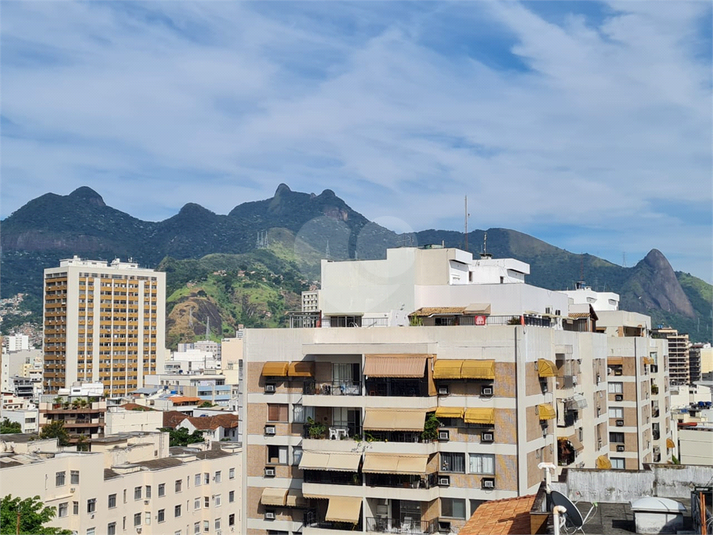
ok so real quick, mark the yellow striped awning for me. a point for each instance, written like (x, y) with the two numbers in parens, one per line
(275, 369)
(478, 369)
(545, 411)
(670, 444)
(411, 366)
(382, 463)
(603, 463)
(392, 420)
(450, 412)
(447, 369)
(343, 509)
(300, 369)
(484, 416)
(272, 496)
(546, 368)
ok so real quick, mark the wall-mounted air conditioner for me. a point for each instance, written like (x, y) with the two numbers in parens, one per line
(444, 434)
(488, 483)
(269, 471)
(620, 447)
(443, 390)
(269, 388)
(487, 437)
(444, 481)
(620, 423)
(269, 429)
(619, 397)
(269, 515)
(486, 390)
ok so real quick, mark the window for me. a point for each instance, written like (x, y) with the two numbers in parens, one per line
(474, 504)
(162, 515)
(198, 480)
(75, 508)
(616, 438)
(137, 493)
(59, 479)
(206, 478)
(276, 413)
(147, 517)
(161, 489)
(91, 531)
(197, 503)
(453, 508)
(218, 477)
(124, 495)
(112, 501)
(206, 526)
(111, 529)
(296, 455)
(481, 464)
(453, 462)
(91, 505)
(231, 496)
(74, 477)
(231, 473)
(616, 388)
(277, 454)
(217, 524)
(298, 414)
(123, 523)
(231, 519)
(197, 527)
(137, 519)
(63, 509)
(206, 501)
(616, 412)
(217, 500)
(148, 491)
(177, 511)
(179, 485)
(617, 463)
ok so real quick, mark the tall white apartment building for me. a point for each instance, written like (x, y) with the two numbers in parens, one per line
(103, 322)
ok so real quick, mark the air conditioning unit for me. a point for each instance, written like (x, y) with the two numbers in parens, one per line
(486, 390)
(620, 447)
(269, 429)
(486, 437)
(444, 527)
(444, 434)
(488, 483)
(269, 515)
(73, 489)
(620, 423)
(146, 502)
(269, 471)
(138, 530)
(444, 481)
(443, 390)
(269, 388)
(619, 397)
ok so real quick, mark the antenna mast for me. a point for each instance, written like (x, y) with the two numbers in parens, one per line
(466, 223)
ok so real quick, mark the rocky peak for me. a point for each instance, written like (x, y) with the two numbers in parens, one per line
(87, 195)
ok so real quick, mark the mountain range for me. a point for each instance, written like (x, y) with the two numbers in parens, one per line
(290, 232)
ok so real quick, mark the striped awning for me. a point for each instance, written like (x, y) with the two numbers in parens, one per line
(271, 496)
(483, 416)
(334, 462)
(616, 361)
(275, 369)
(295, 499)
(450, 412)
(478, 369)
(670, 444)
(447, 369)
(546, 368)
(381, 463)
(300, 369)
(394, 420)
(411, 366)
(545, 411)
(603, 463)
(343, 509)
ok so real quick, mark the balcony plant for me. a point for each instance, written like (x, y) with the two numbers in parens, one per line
(316, 429)
(430, 427)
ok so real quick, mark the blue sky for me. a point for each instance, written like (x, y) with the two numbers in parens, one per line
(585, 124)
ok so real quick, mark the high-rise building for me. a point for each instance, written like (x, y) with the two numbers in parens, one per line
(678, 355)
(103, 323)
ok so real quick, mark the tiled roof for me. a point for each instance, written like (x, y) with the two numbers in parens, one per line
(226, 421)
(184, 399)
(135, 407)
(173, 418)
(510, 516)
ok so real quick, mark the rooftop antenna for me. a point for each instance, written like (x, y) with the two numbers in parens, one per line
(466, 223)
(485, 254)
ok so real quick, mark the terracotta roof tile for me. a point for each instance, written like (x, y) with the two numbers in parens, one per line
(204, 423)
(173, 418)
(510, 516)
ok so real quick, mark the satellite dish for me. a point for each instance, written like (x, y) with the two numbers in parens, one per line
(572, 517)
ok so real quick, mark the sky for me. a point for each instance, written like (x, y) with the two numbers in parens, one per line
(585, 124)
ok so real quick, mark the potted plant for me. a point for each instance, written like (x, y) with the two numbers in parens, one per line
(316, 429)
(430, 427)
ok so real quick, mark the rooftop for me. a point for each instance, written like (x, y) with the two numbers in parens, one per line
(501, 517)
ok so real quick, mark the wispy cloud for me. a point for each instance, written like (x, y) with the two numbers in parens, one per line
(550, 116)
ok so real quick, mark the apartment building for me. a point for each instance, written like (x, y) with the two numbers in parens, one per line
(678, 354)
(82, 416)
(103, 322)
(129, 484)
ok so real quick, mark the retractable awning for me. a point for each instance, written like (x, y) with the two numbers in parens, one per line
(478, 369)
(576, 402)
(335, 462)
(271, 496)
(484, 416)
(545, 411)
(408, 366)
(648, 360)
(295, 499)
(343, 509)
(379, 463)
(546, 368)
(670, 444)
(616, 361)
(447, 369)
(450, 412)
(394, 420)
(603, 463)
(576, 443)
(301, 369)
(477, 308)
(275, 369)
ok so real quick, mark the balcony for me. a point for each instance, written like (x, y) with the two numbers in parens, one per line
(397, 387)
(334, 388)
(394, 525)
(313, 523)
(324, 477)
(402, 481)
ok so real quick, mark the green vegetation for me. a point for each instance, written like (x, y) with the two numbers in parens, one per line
(181, 436)
(56, 430)
(316, 429)
(430, 428)
(27, 516)
(7, 427)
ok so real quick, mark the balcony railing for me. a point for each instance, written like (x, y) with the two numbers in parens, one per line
(397, 387)
(312, 520)
(395, 525)
(334, 388)
(402, 481)
(323, 477)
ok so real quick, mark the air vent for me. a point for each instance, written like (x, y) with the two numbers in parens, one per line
(619, 397)
(269, 429)
(269, 388)
(269, 515)
(444, 434)
(443, 390)
(486, 437)
(486, 390)
(620, 423)
(444, 481)
(620, 447)
(488, 483)
(269, 471)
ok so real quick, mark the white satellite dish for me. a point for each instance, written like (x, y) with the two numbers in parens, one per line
(572, 518)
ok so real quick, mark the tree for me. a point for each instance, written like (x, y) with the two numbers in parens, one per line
(205, 405)
(56, 429)
(29, 514)
(6, 427)
(181, 437)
